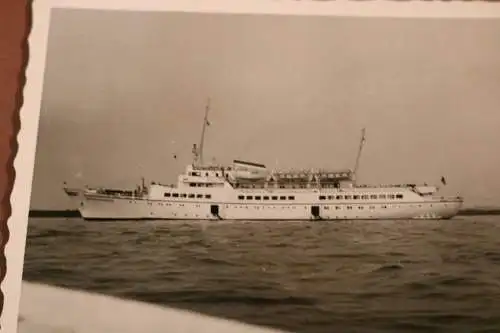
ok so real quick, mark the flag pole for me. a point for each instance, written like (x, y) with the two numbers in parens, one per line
(361, 144)
(202, 139)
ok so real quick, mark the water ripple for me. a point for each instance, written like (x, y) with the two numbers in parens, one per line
(403, 276)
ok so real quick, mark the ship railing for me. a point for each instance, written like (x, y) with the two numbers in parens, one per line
(308, 173)
(116, 193)
(272, 185)
(388, 185)
(161, 184)
(311, 178)
(447, 198)
(288, 181)
(133, 195)
(212, 167)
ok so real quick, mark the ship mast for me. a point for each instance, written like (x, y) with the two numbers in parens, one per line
(361, 144)
(202, 139)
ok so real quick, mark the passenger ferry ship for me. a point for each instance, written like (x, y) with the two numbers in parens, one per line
(250, 191)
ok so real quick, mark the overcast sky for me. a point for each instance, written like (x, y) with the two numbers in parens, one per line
(124, 92)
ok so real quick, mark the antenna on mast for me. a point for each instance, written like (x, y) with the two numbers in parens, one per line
(202, 139)
(361, 144)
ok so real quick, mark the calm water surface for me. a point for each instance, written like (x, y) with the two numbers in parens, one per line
(310, 277)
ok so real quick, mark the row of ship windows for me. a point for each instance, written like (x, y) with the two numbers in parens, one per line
(265, 197)
(362, 197)
(293, 207)
(241, 197)
(324, 197)
(332, 207)
(328, 207)
(198, 174)
(359, 207)
(290, 197)
(202, 185)
(190, 195)
(324, 207)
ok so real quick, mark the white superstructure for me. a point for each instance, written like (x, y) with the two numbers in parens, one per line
(250, 191)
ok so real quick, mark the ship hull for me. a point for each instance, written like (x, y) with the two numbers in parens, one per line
(143, 209)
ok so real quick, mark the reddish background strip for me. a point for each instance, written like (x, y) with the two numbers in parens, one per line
(15, 23)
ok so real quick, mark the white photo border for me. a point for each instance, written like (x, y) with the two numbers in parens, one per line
(30, 111)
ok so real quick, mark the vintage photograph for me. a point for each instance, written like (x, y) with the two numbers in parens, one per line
(307, 174)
